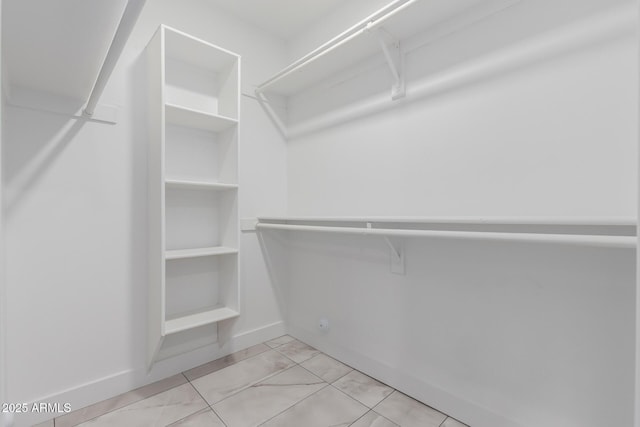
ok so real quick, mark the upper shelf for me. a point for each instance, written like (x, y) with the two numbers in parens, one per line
(188, 117)
(400, 18)
(186, 48)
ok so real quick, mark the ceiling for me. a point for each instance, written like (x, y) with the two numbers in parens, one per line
(283, 18)
(58, 46)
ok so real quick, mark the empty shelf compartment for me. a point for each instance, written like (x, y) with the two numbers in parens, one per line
(201, 318)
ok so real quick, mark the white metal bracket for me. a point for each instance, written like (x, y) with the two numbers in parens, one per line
(397, 256)
(390, 46)
(396, 253)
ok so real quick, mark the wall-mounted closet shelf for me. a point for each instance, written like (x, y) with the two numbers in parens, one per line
(199, 185)
(199, 252)
(188, 117)
(201, 318)
(340, 52)
(611, 233)
(398, 21)
(125, 28)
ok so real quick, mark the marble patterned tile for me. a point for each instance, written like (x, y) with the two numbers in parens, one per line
(363, 388)
(216, 365)
(450, 422)
(155, 411)
(279, 341)
(93, 411)
(407, 412)
(202, 418)
(48, 423)
(268, 398)
(326, 368)
(297, 351)
(223, 383)
(327, 407)
(373, 419)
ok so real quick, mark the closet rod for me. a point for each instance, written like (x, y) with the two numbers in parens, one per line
(125, 27)
(472, 220)
(624, 242)
(367, 24)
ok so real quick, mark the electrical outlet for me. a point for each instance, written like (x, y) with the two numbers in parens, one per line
(323, 324)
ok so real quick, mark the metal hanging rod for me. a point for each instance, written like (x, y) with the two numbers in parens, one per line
(472, 220)
(623, 242)
(366, 25)
(125, 27)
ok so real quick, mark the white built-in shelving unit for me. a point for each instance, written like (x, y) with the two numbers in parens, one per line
(193, 185)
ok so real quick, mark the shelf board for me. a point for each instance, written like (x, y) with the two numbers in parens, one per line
(200, 318)
(612, 232)
(190, 118)
(356, 44)
(626, 221)
(192, 50)
(199, 185)
(199, 252)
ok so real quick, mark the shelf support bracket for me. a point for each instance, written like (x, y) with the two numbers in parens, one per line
(396, 253)
(397, 256)
(390, 46)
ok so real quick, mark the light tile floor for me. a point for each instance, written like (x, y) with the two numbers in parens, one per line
(283, 383)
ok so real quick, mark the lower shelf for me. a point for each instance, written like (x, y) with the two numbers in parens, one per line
(201, 318)
(199, 252)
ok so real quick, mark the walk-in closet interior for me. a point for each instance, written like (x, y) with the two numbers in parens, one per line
(314, 213)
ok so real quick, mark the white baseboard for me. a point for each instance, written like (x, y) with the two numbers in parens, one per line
(405, 382)
(104, 388)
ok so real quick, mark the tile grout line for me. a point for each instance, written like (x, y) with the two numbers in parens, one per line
(252, 384)
(305, 398)
(374, 406)
(184, 418)
(266, 349)
(301, 400)
(298, 402)
(295, 364)
(308, 370)
(362, 403)
(356, 400)
(371, 410)
(187, 382)
(361, 416)
(385, 398)
(276, 373)
(313, 394)
(234, 363)
(205, 401)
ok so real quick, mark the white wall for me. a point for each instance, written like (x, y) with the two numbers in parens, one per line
(495, 334)
(541, 125)
(75, 206)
